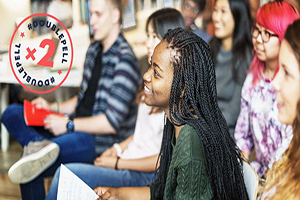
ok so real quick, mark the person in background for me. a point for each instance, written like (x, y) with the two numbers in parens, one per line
(283, 179)
(131, 162)
(103, 113)
(198, 158)
(231, 51)
(190, 11)
(258, 126)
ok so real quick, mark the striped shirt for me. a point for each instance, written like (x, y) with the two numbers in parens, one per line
(117, 87)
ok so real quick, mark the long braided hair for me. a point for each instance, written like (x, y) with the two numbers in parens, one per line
(193, 101)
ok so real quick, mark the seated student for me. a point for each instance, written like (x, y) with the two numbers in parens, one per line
(283, 180)
(198, 158)
(103, 113)
(232, 54)
(132, 162)
(190, 11)
(258, 126)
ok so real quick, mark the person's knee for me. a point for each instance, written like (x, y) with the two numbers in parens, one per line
(11, 111)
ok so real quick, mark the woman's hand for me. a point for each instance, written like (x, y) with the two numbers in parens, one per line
(109, 152)
(245, 155)
(106, 193)
(123, 193)
(106, 161)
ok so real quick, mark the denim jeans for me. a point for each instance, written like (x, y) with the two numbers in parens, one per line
(95, 176)
(74, 147)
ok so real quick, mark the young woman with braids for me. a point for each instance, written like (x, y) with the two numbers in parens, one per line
(198, 158)
(258, 126)
(132, 162)
(283, 181)
(231, 51)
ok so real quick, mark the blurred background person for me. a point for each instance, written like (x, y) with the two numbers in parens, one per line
(190, 11)
(232, 54)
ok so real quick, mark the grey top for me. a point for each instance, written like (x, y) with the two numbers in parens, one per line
(228, 90)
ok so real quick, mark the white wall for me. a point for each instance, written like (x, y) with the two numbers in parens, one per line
(10, 12)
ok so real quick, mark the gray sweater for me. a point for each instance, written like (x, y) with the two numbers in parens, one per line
(228, 90)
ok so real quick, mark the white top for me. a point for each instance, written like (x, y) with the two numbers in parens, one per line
(147, 135)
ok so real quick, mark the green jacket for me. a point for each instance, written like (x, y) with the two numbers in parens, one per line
(187, 178)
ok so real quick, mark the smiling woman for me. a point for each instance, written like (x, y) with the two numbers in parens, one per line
(283, 180)
(231, 51)
(258, 127)
(286, 83)
(198, 158)
(158, 79)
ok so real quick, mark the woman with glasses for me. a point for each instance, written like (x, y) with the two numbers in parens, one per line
(190, 10)
(258, 126)
(231, 51)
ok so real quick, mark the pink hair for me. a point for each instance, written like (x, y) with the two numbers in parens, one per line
(275, 16)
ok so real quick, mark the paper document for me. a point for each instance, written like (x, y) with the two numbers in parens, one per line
(70, 187)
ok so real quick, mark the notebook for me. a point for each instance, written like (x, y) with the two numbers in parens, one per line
(35, 116)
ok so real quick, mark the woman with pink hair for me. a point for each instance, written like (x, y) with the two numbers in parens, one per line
(258, 126)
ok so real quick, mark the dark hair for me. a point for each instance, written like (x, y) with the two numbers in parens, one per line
(200, 3)
(165, 19)
(242, 42)
(193, 101)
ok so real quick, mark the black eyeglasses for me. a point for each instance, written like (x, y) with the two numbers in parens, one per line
(265, 35)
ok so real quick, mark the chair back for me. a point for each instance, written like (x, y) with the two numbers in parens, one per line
(251, 180)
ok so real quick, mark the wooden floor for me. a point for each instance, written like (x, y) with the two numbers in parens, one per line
(9, 190)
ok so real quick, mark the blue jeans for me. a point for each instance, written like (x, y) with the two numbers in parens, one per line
(74, 147)
(95, 176)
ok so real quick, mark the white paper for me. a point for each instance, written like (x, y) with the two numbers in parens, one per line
(70, 187)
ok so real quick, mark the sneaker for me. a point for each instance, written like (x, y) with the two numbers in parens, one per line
(36, 158)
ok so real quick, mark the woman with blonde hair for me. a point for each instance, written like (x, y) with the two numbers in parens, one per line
(283, 181)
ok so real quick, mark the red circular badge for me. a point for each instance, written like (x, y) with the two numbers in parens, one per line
(32, 59)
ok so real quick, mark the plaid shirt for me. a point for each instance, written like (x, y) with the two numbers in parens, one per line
(117, 87)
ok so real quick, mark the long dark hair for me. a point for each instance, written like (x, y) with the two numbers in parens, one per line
(193, 101)
(165, 19)
(242, 43)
